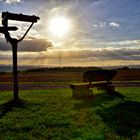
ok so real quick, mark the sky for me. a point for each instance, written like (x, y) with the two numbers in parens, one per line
(94, 33)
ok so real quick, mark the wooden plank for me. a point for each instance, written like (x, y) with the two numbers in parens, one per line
(89, 85)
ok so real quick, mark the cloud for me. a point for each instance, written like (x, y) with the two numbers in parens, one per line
(28, 45)
(101, 24)
(105, 24)
(84, 55)
(35, 45)
(114, 24)
(99, 57)
(11, 1)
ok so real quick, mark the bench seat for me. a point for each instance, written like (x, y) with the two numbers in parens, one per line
(89, 85)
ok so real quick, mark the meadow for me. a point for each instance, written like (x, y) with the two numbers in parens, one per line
(53, 114)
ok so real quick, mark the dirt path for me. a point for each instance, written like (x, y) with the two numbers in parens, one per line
(126, 84)
(6, 87)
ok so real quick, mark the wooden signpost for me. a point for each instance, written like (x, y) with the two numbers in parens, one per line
(14, 42)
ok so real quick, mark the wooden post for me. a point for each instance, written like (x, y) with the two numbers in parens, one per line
(14, 42)
(15, 71)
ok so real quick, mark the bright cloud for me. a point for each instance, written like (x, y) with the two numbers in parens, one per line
(11, 1)
(114, 24)
(101, 25)
(105, 24)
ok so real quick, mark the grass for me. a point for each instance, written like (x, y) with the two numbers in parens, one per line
(54, 115)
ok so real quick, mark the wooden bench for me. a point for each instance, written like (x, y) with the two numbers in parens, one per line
(101, 79)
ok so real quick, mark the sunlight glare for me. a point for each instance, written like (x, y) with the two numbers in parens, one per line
(59, 26)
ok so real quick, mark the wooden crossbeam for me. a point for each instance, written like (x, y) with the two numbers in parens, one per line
(4, 29)
(19, 17)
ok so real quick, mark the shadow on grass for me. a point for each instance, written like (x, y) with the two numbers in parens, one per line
(8, 106)
(123, 118)
(97, 100)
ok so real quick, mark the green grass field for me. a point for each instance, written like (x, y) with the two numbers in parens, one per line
(55, 115)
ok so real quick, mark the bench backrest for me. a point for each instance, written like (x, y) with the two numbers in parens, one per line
(99, 75)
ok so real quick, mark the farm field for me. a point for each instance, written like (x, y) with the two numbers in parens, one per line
(62, 78)
(63, 75)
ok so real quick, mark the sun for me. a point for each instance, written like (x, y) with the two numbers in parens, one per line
(59, 26)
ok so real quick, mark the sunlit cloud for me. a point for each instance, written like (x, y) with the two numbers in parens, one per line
(100, 25)
(106, 24)
(10, 1)
(98, 57)
(114, 24)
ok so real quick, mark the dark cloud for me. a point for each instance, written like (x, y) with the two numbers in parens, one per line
(35, 45)
(4, 46)
(31, 45)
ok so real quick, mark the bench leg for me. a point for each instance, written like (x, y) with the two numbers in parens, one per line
(82, 93)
